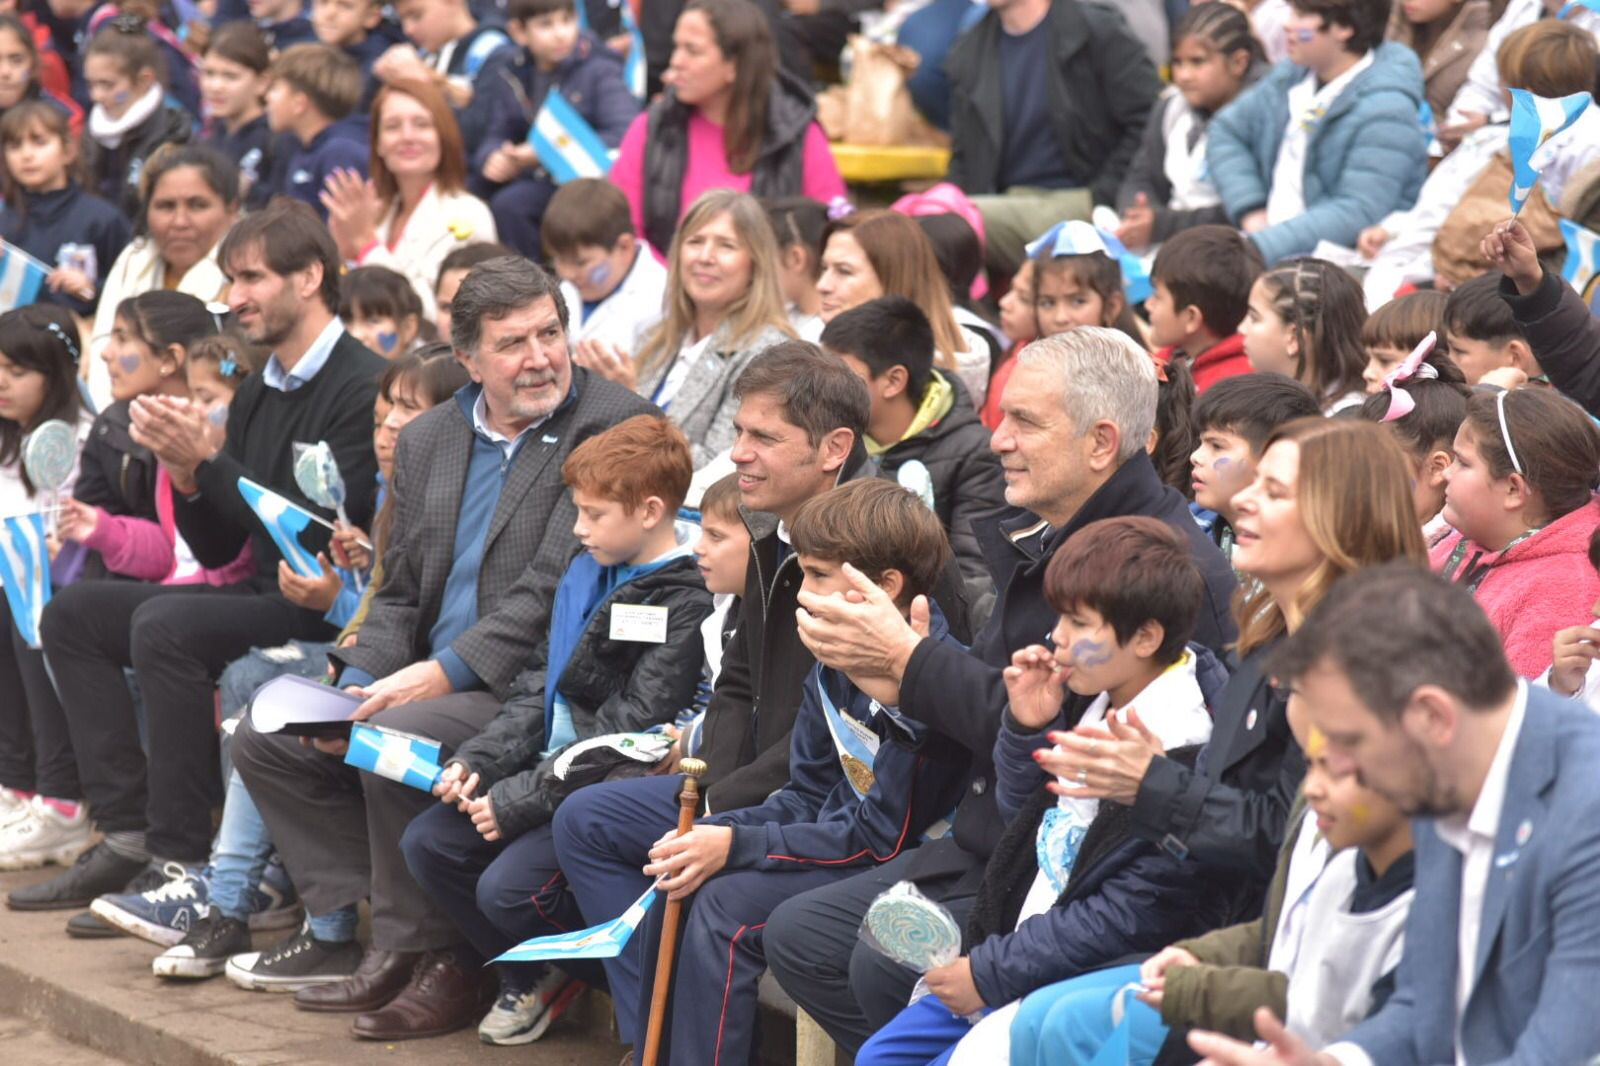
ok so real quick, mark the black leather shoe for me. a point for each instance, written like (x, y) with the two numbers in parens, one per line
(380, 977)
(90, 926)
(97, 872)
(444, 995)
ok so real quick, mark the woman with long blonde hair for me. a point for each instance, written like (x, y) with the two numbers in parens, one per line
(1330, 496)
(883, 253)
(724, 306)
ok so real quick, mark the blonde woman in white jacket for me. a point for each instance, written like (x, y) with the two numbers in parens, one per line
(191, 201)
(414, 210)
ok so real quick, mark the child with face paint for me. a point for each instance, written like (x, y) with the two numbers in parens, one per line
(381, 309)
(126, 76)
(31, 69)
(1426, 429)
(613, 285)
(123, 506)
(48, 214)
(1233, 420)
(1127, 594)
(1345, 876)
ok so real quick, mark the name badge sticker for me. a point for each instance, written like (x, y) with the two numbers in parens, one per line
(641, 623)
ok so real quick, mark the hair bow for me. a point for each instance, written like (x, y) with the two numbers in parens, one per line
(1411, 368)
(840, 207)
(1082, 238)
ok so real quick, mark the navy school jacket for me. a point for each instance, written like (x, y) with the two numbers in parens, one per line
(474, 57)
(817, 819)
(69, 227)
(342, 145)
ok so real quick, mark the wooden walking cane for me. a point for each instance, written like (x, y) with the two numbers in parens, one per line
(688, 805)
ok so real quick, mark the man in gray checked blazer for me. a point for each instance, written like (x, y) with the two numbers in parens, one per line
(482, 534)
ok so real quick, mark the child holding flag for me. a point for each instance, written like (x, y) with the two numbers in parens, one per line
(554, 56)
(39, 351)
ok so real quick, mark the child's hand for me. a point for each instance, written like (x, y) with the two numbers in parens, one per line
(1255, 221)
(621, 44)
(1452, 134)
(312, 593)
(1575, 649)
(1138, 224)
(70, 281)
(669, 762)
(401, 61)
(684, 862)
(349, 548)
(954, 986)
(1033, 683)
(1153, 973)
(77, 520)
(1510, 247)
(482, 812)
(1371, 241)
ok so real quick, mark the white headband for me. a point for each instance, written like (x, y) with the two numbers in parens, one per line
(1505, 432)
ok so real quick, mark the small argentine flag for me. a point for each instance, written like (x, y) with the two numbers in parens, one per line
(633, 71)
(401, 757)
(1430, 126)
(1574, 6)
(604, 941)
(20, 277)
(567, 145)
(284, 520)
(1582, 268)
(25, 569)
(1534, 120)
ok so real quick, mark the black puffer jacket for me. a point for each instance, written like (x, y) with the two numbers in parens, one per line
(968, 488)
(611, 686)
(114, 172)
(113, 471)
(779, 171)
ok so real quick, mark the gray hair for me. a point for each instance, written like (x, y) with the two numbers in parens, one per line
(1104, 376)
(495, 288)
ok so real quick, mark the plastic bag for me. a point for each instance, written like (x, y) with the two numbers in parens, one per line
(911, 929)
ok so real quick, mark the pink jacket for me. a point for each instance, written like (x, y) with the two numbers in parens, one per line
(1535, 588)
(142, 549)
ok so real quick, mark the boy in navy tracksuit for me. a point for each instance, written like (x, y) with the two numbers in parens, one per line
(864, 785)
(454, 50)
(554, 56)
(284, 22)
(361, 31)
(313, 93)
(491, 864)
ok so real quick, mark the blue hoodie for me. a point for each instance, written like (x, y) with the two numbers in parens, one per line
(1366, 157)
(818, 819)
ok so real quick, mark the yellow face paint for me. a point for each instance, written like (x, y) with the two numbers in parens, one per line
(1360, 813)
(1316, 743)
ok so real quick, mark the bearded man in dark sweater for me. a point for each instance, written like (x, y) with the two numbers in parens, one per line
(319, 385)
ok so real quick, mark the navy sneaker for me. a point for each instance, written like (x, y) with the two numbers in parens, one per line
(275, 903)
(163, 915)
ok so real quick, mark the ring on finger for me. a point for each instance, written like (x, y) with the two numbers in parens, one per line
(1083, 776)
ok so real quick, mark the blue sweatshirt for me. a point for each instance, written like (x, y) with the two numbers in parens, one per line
(68, 227)
(342, 145)
(818, 819)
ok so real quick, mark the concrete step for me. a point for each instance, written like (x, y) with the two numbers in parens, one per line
(100, 995)
(24, 1043)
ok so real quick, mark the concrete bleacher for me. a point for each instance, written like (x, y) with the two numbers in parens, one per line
(100, 994)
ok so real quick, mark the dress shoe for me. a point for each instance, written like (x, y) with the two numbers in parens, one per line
(444, 995)
(379, 978)
(97, 872)
(90, 926)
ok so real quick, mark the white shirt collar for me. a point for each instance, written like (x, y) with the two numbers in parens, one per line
(1484, 821)
(1324, 97)
(480, 422)
(316, 357)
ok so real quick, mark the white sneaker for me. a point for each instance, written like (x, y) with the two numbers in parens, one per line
(520, 1017)
(13, 805)
(43, 835)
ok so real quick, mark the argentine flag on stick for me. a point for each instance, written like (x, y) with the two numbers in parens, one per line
(1574, 6)
(604, 941)
(20, 277)
(284, 520)
(1534, 120)
(25, 569)
(567, 145)
(1582, 268)
(633, 66)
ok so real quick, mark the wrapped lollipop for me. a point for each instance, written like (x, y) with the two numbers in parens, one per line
(911, 929)
(48, 456)
(317, 473)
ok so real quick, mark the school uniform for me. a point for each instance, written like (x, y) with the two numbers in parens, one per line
(366, 52)
(68, 227)
(865, 784)
(462, 61)
(620, 318)
(340, 146)
(591, 80)
(288, 32)
(254, 147)
(114, 169)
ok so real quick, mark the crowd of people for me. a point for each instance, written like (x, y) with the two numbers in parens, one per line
(1170, 544)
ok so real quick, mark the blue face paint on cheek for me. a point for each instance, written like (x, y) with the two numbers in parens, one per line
(217, 416)
(130, 364)
(1221, 465)
(598, 274)
(1088, 652)
(1304, 36)
(387, 341)
(121, 98)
